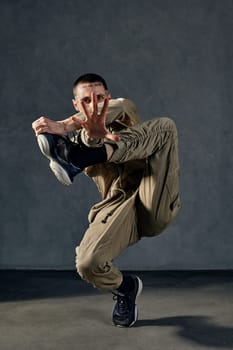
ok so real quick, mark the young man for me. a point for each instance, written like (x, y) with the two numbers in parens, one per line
(136, 169)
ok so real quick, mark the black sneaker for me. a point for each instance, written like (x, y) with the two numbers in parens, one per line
(56, 149)
(125, 312)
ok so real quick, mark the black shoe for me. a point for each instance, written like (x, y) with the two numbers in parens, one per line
(56, 149)
(125, 312)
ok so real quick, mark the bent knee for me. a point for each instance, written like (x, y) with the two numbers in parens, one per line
(84, 266)
(88, 266)
(168, 123)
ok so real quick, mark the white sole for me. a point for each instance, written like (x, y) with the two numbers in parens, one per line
(140, 288)
(56, 168)
(60, 173)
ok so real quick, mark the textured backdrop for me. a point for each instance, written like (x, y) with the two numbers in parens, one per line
(171, 58)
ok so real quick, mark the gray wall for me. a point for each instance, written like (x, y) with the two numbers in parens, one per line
(170, 57)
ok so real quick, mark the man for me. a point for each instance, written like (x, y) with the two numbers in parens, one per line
(135, 167)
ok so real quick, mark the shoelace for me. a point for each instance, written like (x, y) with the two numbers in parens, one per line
(121, 303)
(63, 146)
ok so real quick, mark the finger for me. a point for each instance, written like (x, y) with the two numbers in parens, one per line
(94, 103)
(112, 137)
(105, 108)
(42, 119)
(40, 122)
(33, 126)
(38, 127)
(39, 131)
(85, 110)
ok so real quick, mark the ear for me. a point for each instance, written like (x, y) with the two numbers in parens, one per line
(109, 95)
(76, 105)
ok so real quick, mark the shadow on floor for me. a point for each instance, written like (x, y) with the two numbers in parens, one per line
(18, 285)
(198, 329)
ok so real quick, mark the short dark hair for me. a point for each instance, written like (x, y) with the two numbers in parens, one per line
(90, 78)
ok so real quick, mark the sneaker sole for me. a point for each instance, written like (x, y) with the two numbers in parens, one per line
(140, 288)
(56, 168)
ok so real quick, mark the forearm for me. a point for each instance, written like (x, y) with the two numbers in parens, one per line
(69, 125)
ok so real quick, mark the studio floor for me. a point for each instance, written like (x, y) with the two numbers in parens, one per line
(56, 310)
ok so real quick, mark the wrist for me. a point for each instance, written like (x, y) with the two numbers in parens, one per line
(89, 141)
(64, 127)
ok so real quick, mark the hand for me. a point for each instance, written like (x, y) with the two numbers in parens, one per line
(95, 123)
(44, 124)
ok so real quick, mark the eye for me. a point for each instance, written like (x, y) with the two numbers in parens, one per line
(86, 99)
(100, 97)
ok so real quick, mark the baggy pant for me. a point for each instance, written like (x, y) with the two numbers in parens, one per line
(121, 221)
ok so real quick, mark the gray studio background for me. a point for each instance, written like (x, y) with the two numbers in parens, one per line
(171, 58)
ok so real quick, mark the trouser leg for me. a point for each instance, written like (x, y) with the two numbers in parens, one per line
(158, 202)
(113, 229)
